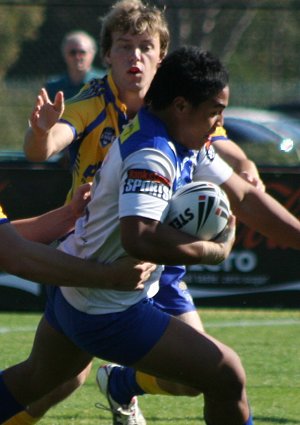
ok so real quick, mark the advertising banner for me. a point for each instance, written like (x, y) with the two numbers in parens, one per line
(258, 271)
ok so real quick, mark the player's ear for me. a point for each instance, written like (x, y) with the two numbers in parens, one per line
(162, 56)
(107, 59)
(180, 104)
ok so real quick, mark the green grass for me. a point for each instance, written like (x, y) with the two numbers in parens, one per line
(268, 342)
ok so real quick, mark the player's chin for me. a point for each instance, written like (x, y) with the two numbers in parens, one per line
(135, 75)
(138, 86)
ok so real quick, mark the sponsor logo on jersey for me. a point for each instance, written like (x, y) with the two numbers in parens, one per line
(210, 151)
(148, 182)
(130, 128)
(90, 171)
(107, 137)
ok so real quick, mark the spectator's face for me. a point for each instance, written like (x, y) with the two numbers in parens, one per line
(79, 55)
(133, 59)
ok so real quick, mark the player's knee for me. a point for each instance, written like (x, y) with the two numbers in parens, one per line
(231, 378)
(82, 376)
(191, 392)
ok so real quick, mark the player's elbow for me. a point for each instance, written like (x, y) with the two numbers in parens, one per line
(133, 247)
(137, 237)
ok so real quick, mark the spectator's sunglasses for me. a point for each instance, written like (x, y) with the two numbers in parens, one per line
(74, 52)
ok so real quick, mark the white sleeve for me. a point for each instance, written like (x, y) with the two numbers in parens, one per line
(211, 167)
(146, 185)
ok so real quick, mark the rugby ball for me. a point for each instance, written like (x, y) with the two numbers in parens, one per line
(200, 208)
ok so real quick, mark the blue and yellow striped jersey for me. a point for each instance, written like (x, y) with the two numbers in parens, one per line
(96, 116)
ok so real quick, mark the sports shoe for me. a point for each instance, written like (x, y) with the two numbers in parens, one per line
(122, 414)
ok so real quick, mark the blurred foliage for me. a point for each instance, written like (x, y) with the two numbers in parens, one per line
(17, 24)
(16, 102)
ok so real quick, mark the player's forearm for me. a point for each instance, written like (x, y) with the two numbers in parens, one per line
(262, 213)
(161, 244)
(47, 265)
(249, 167)
(37, 145)
(47, 227)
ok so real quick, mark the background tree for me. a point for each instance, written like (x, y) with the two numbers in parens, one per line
(17, 23)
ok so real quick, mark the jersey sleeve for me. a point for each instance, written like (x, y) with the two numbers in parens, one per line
(82, 110)
(211, 167)
(146, 190)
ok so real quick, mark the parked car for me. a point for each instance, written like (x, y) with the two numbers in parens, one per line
(269, 138)
(291, 108)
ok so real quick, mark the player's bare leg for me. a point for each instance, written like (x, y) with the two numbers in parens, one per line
(208, 366)
(193, 319)
(53, 361)
(39, 408)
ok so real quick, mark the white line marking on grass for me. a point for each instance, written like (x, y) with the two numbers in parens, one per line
(228, 324)
(253, 323)
(6, 330)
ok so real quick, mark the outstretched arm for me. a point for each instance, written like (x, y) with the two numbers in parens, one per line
(238, 160)
(45, 136)
(261, 212)
(54, 224)
(47, 265)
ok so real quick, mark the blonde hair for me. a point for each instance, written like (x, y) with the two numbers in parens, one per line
(135, 17)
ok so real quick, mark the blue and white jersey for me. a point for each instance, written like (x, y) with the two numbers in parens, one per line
(138, 176)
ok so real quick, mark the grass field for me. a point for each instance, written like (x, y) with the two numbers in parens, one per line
(268, 342)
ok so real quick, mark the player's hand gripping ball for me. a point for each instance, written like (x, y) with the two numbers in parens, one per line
(200, 208)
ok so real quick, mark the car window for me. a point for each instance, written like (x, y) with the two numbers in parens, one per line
(261, 144)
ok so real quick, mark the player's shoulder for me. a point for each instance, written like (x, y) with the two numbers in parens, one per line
(145, 127)
(94, 89)
(145, 132)
(219, 134)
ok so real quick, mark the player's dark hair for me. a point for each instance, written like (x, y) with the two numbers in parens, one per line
(189, 72)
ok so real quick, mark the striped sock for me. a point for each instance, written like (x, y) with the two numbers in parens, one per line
(123, 385)
(149, 384)
(22, 418)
